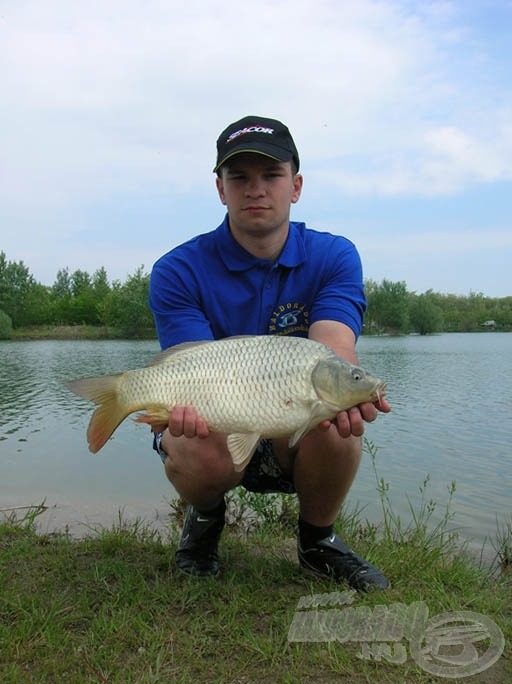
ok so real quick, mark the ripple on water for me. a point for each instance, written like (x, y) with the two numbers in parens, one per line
(450, 395)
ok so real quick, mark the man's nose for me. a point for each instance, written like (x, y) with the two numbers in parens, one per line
(255, 187)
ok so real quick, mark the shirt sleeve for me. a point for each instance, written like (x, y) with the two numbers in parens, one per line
(174, 299)
(341, 293)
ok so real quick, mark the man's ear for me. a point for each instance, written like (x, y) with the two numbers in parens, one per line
(220, 189)
(298, 182)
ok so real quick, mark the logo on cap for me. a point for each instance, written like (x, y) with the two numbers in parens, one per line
(250, 129)
(256, 134)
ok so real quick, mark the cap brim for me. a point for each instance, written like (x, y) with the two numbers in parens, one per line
(280, 154)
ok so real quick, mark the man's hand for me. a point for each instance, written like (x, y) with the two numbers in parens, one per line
(341, 339)
(351, 422)
(184, 422)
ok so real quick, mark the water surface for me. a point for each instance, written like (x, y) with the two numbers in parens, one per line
(451, 396)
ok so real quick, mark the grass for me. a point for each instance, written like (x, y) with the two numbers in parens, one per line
(502, 545)
(113, 607)
(76, 332)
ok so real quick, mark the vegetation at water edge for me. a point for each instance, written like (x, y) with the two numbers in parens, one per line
(113, 608)
(30, 309)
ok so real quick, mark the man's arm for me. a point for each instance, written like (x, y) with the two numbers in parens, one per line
(341, 339)
(175, 302)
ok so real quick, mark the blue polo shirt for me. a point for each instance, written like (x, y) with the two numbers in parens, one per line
(210, 287)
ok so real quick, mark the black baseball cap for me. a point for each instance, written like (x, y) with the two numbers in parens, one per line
(256, 134)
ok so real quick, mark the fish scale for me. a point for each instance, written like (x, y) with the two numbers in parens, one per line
(256, 385)
(246, 387)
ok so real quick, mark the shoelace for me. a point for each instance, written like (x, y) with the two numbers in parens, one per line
(337, 559)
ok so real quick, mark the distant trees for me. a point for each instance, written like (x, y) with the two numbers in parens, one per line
(75, 298)
(5, 326)
(126, 305)
(388, 307)
(393, 310)
(21, 298)
(425, 315)
(78, 298)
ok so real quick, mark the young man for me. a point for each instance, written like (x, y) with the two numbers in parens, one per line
(257, 274)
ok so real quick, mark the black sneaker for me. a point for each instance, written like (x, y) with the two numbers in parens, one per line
(197, 550)
(330, 557)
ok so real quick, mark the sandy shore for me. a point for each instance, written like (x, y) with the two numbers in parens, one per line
(81, 521)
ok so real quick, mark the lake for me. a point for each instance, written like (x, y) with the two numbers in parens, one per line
(451, 396)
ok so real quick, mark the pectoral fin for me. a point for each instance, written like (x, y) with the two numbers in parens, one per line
(318, 413)
(242, 447)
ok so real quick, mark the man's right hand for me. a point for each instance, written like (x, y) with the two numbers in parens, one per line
(184, 421)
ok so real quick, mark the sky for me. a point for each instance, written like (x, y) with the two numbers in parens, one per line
(401, 111)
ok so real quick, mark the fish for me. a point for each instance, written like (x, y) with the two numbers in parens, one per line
(247, 387)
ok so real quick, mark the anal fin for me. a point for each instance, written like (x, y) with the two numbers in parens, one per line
(156, 415)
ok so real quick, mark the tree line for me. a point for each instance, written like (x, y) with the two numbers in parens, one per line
(393, 309)
(79, 298)
(74, 299)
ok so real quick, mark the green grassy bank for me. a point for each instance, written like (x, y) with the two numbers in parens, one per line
(77, 332)
(113, 607)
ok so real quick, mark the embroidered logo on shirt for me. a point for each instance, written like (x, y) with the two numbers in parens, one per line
(289, 319)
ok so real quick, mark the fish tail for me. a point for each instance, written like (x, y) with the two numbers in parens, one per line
(110, 412)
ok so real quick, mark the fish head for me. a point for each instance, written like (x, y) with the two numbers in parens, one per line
(342, 385)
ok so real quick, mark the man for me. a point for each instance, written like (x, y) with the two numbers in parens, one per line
(258, 273)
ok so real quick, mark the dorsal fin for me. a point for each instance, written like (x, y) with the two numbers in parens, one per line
(167, 354)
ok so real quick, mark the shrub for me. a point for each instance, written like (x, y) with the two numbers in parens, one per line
(5, 326)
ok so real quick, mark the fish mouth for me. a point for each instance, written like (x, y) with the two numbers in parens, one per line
(379, 391)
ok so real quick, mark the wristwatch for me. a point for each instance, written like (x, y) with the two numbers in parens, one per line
(157, 445)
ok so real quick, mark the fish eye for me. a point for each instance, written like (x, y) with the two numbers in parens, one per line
(357, 373)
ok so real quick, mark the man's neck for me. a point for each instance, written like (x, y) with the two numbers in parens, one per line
(263, 246)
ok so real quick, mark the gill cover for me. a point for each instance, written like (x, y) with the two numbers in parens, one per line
(336, 381)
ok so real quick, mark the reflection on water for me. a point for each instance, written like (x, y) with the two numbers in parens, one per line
(43, 448)
(451, 398)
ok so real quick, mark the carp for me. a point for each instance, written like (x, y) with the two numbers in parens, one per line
(246, 387)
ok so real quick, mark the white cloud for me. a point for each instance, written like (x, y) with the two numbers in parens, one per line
(103, 101)
(121, 79)
(433, 243)
(116, 90)
(452, 261)
(441, 161)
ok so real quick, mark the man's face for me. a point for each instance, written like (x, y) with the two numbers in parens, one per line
(258, 192)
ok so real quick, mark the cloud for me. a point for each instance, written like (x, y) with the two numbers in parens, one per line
(432, 243)
(442, 161)
(109, 104)
(452, 261)
(116, 93)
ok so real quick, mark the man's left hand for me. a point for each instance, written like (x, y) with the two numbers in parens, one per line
(351, 421)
